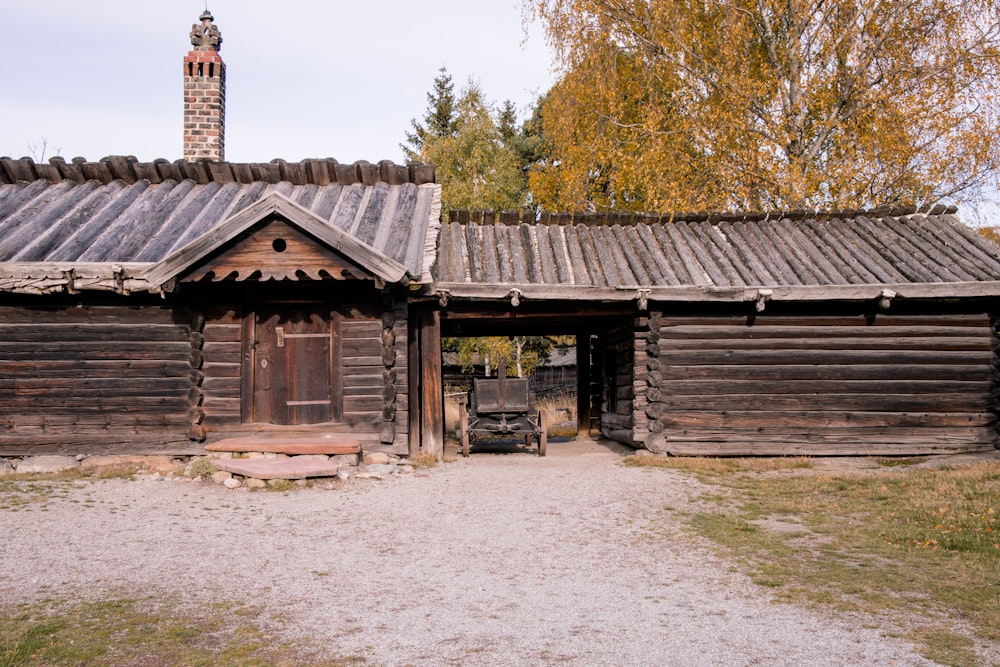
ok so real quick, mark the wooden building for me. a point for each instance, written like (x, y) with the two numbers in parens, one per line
(151, 306)
(155, 306)
(842, 333)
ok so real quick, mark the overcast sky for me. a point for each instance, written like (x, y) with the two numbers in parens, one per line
(305, 78)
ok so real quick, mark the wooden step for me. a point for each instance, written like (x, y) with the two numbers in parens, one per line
(278, 468)
(290, 446)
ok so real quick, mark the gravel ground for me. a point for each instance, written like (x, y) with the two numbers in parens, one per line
(495, 560)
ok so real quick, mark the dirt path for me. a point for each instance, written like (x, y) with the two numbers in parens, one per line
(495, 560)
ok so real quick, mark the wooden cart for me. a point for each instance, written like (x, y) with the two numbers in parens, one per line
(501, 406)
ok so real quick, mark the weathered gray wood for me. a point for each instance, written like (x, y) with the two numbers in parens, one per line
(968, 372)
(86, 332)
(179, 220)
(546, 253)
(709, 387)
(714, 246)
(196, 251)
(820, 420)
(491, 268)
(22, 230)
(836, 402)
(813, 335)
(686, 271)
(18, 197)
(842, 357)
(400, 227)
(368, 225)
(817, 257)
(618, 435)
(609, 266)
(646, 245)
(752, 256)
(836, 344)
(357, 328)
(75, 245)
(959, 241)
(517, 253)
(90, 444)
(785, 447)
(872, 236)
(839, 436)
(432, 398)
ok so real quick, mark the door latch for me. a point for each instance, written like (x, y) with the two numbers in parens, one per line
(281, 336)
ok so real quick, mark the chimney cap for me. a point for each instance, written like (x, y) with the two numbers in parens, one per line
(205, 36)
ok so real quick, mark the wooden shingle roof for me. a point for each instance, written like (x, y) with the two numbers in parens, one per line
(86, 217)
(858, 256)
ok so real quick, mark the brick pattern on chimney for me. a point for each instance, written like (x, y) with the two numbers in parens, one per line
(204, 106)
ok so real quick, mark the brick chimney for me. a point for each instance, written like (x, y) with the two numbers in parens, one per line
(205, 94)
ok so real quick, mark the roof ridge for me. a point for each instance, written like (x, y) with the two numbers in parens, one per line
(315, 171)
(530, 216)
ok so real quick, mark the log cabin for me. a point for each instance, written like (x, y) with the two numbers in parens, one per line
(153, 307)
(840, 333)
(157, 305)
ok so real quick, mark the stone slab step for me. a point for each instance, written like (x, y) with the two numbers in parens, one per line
(277, 468)
(290, 446)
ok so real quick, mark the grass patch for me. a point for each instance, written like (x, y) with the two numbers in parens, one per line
(119, 632)
(896, 462)
(919, 547)
(17, 493)
(715, 467)
(119, 471)
(424, 460)
(200, 467)
(280, 485)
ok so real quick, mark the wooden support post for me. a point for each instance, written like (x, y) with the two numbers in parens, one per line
(583, 397)
(413, 370)
(431, 385)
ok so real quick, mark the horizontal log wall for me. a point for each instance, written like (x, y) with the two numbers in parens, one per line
(374, 368)
(98, 379)
(222, 366)
(822, 385)
(619, 393)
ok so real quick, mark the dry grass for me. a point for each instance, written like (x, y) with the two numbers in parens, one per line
(423, 460)
(711, 466)
(151, 632)
(919, 547)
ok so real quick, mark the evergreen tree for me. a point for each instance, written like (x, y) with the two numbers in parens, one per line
(439, 119)
(475, 167)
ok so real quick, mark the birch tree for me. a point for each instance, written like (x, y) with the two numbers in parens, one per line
(768, 104)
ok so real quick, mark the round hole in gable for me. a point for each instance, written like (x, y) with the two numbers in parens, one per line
(279, 245)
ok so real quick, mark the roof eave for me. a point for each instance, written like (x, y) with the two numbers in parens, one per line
(711, 294)
(39, 278)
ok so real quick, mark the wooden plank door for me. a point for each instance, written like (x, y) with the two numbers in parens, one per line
(293, 366)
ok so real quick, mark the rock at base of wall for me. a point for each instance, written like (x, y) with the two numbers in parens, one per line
(47, 464)
(160, 464)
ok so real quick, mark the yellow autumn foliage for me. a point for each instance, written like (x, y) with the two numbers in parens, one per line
(767, 104)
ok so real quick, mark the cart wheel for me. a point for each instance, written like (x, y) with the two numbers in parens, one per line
(543, 434)
(463, 428)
